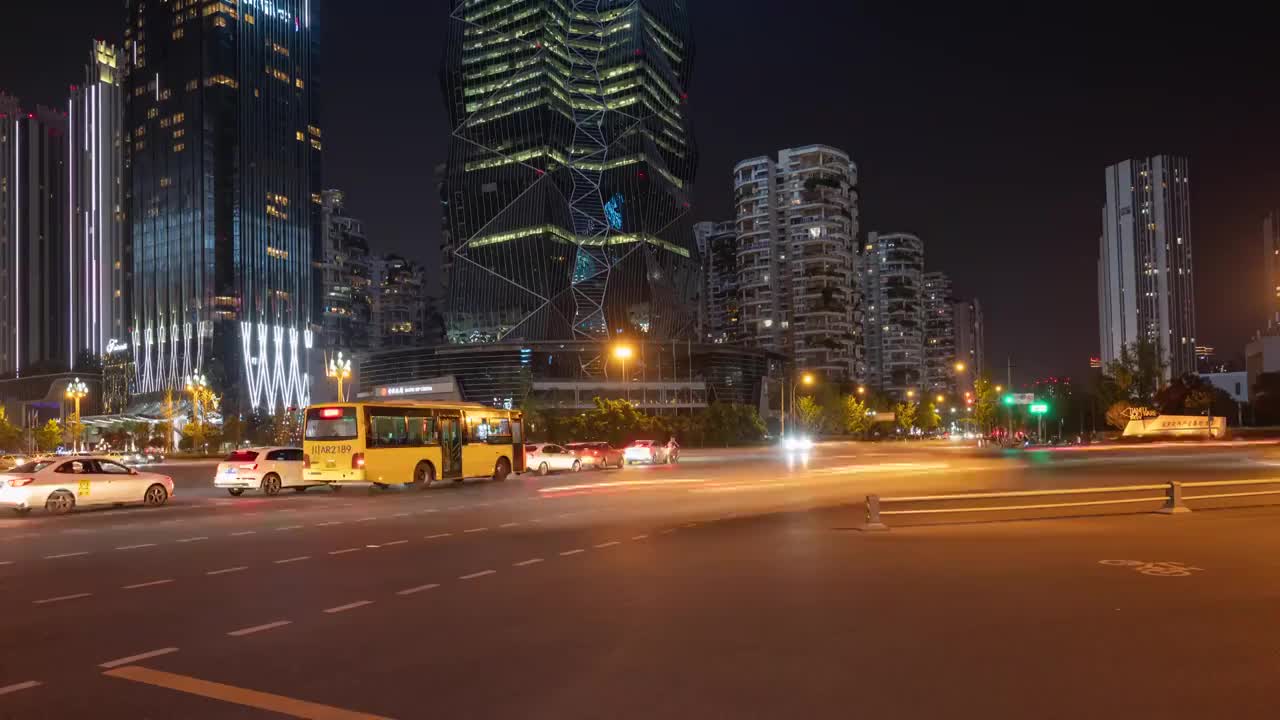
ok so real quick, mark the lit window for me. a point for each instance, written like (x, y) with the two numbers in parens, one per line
(300, 136)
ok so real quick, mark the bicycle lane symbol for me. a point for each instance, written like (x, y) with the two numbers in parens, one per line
(1165, 568)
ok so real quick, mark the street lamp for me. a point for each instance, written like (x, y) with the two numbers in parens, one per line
(804, 379)
(76, 391)
(939, 398)
(622, 353)
(960, 367)
(999, 388)
(339, 369)
(911, 394)
(862, 390)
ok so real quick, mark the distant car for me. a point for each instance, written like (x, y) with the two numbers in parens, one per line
(11, 461)
(61, 485)
(153, 455)
(544, 458)
(648, 451)
(597, 455)
(267, 469)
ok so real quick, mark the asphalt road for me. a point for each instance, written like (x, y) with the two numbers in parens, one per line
(734, 584)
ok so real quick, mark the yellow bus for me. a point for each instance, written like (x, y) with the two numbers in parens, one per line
(410, 443)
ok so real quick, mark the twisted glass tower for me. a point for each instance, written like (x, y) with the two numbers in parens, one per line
(570, 170)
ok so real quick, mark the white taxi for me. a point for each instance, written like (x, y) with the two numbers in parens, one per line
(62, 484)
(267, 469)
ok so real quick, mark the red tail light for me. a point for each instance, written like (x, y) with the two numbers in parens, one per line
(20, 481)
(306, 461)
(357, 461)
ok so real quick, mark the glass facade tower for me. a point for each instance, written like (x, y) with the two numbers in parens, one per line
(224, 154)
(570, 170)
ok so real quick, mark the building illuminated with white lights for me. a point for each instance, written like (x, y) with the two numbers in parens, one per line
(224, 196)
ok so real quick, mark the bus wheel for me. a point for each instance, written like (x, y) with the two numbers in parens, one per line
(423, 475)
(501, 470)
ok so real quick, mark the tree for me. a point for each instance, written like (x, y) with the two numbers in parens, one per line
(809, 414)
(233, 429)
(986, 404)
(287, 427)
(905, 415)
(49, 436)
(1118, 414)
(728, 424)
(857, 421)
(10, 434)
(929, 420)
(615, 421)
(1135, 376)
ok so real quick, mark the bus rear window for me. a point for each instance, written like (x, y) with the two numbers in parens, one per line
(331, 424)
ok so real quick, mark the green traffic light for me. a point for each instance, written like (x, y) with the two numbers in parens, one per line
(1008, 399)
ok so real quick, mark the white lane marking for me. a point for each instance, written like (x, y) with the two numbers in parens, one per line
(366, 519)
(394, 542)
(349, 606)
(507, 525)
(418, 589)
(344, 552)
(19, 686)
(153, 583)
(691, 525)
(60, 598)
(243, 532)
(530, 561)
(135, 658)
(437, 535)
(611, 543)
(668, 531)
(475, 530)
(289, 527)
(573, 552)
(293, 559)
(6, 562)
(639, 537)
(259, 628)
(404, 514)
(224, 571)
(327, 524)
(475, 575)
(135, 547)
(194, 539)
(66, 555)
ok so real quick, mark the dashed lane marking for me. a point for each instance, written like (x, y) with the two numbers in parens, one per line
(508, 525)
(136, 658)
(300, 558)
(611, 543)
(475, 575)
(152, 583)
(420, 588)
(60, 598)
(259, 628)
(289, 527)
(136, 547)
(329, 524)
(573, 552)
(238, 695)
(394, 542)
(19, 686)
(530, 561)
(344, 551)
(194, 539)
(349, 606)
(243, 532)
(437, 535)
(367, 519)
(224, 571)
(66, 555)
(639, 537)
(476, 530)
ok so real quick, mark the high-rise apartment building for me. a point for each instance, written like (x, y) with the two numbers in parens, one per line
(970, 342)
(224, 195)
(36, 290)
(1271, 263)
(718, 304)
(893, 282)
(101, 256)
(1145, 288)
(797, 224)
(570, 171)
(940, 359)
(347, 278)
(400, 303)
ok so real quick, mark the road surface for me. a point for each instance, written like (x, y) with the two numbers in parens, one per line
(734, 584)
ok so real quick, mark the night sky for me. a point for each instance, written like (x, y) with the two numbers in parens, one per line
(984, 130)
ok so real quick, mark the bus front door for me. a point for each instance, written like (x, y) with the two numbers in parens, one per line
(451, 447)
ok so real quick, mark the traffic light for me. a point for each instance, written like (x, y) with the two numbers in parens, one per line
(1008, 399)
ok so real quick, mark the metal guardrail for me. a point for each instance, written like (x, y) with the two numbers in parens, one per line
(1171, 494)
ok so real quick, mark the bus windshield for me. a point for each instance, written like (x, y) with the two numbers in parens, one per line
(331, 423)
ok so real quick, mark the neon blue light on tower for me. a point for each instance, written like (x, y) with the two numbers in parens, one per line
(613, 211)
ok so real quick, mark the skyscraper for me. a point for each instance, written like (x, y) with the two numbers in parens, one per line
(348, 306)
(1145, 288)
(894, 299)
(797, 224)
(100, 256)
(570, 170)
(718, 304)
(1271, 262)
(224, 195)
(35, 280)
(939, 333)
(970, 341)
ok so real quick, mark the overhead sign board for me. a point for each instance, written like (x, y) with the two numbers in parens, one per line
(1039, 408)
(1022, 398)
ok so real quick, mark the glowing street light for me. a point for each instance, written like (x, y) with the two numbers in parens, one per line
(939, 398)
(339, 369)
(862, 390)
(999, 388)
(805, 379)
(960, 367)
(623, 353)
(77, 390)
(911, 394)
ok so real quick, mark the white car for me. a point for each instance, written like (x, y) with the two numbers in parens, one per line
(648, 451)
(544, 458)
(266, 469)
(62, 484)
